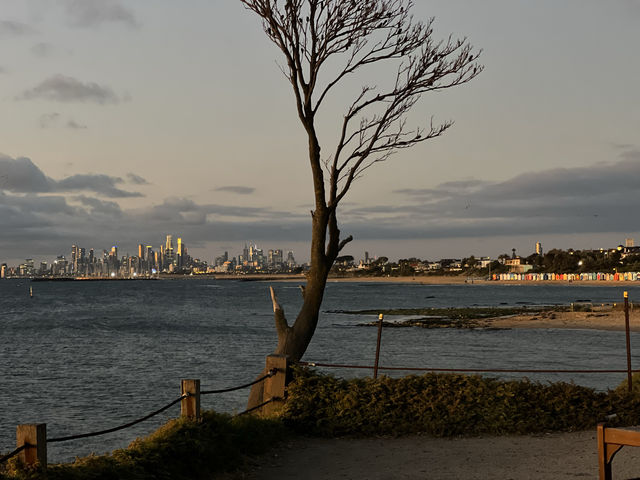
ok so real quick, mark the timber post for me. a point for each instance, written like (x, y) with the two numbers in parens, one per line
(375, 368)
(628, 341)
(275, 386)
(34, 435)
(190, 405)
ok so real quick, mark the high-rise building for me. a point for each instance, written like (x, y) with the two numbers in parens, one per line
(74, 259)
(538, 248)
(3, 270)
(180, 255)
(291, 261)
(277, 258)
(141, 251)
(628, 242)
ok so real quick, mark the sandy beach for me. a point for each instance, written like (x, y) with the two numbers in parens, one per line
(599, 320)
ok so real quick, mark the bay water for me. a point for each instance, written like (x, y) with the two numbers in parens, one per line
(86, 356)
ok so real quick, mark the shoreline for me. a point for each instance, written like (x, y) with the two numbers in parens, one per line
(461, 280)
(418, 280)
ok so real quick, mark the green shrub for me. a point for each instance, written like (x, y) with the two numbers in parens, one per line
(181, 449)
(445, 404)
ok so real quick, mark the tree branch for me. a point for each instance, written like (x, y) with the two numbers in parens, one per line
(282, 327)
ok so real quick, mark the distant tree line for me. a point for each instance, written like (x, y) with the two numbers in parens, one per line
(553, 261)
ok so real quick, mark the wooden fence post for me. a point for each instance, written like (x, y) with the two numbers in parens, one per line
(190, 406)
(35, 435)
(275, 386)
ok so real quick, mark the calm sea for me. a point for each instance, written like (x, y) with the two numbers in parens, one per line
(85, 356)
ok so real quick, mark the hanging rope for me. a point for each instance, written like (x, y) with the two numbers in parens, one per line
(14, 453)
(270, 373)
(120, 427)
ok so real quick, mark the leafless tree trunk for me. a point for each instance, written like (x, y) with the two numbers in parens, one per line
(314, 36)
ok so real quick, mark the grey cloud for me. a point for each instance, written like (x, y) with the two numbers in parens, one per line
(136, 179)
(21, 175)
(48, 120)
(10, 28)
(590, 199)
(236, 189)
(3, 70)
(61, 88)
(631, 153)
(186, 210)
(100, 184)
(72, 124)
(101, 207)
(42, 49)
(447, 188)
(91, 13)
(568, 182)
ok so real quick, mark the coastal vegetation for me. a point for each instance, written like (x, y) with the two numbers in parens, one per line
(450, 404)
(181, 449)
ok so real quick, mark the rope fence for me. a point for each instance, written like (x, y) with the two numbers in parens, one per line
(32, 440)
(459, 370)
(14, 453)
(120, 427)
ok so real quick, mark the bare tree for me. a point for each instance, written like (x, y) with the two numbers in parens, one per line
(325, 42)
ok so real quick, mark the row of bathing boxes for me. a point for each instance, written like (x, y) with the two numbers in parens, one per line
(569, 277)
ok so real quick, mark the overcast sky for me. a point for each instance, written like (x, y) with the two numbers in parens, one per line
(121, 122)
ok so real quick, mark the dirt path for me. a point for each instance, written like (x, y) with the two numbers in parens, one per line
(549, 456)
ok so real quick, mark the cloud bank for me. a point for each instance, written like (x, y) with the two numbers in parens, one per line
(92, 13)
(10, 28)
(236, 189)
(21, 175)
(44, 216)
(61, 88)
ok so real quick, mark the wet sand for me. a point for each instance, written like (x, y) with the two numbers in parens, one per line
(600, 319)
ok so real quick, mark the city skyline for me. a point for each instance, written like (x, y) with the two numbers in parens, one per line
(94, 140)
(169, 256)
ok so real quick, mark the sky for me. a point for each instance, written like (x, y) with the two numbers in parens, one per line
(124, 121)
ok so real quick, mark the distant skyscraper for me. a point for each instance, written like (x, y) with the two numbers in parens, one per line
(180, 253)
(277, 257)
(141, 251)
(291, 261)
(628, 242)
(168, 249)
(538, 248)
(74, 258)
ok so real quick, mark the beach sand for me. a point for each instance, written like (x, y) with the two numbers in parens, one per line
(600, 319)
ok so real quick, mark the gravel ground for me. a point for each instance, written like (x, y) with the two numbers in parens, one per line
(548, 456)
